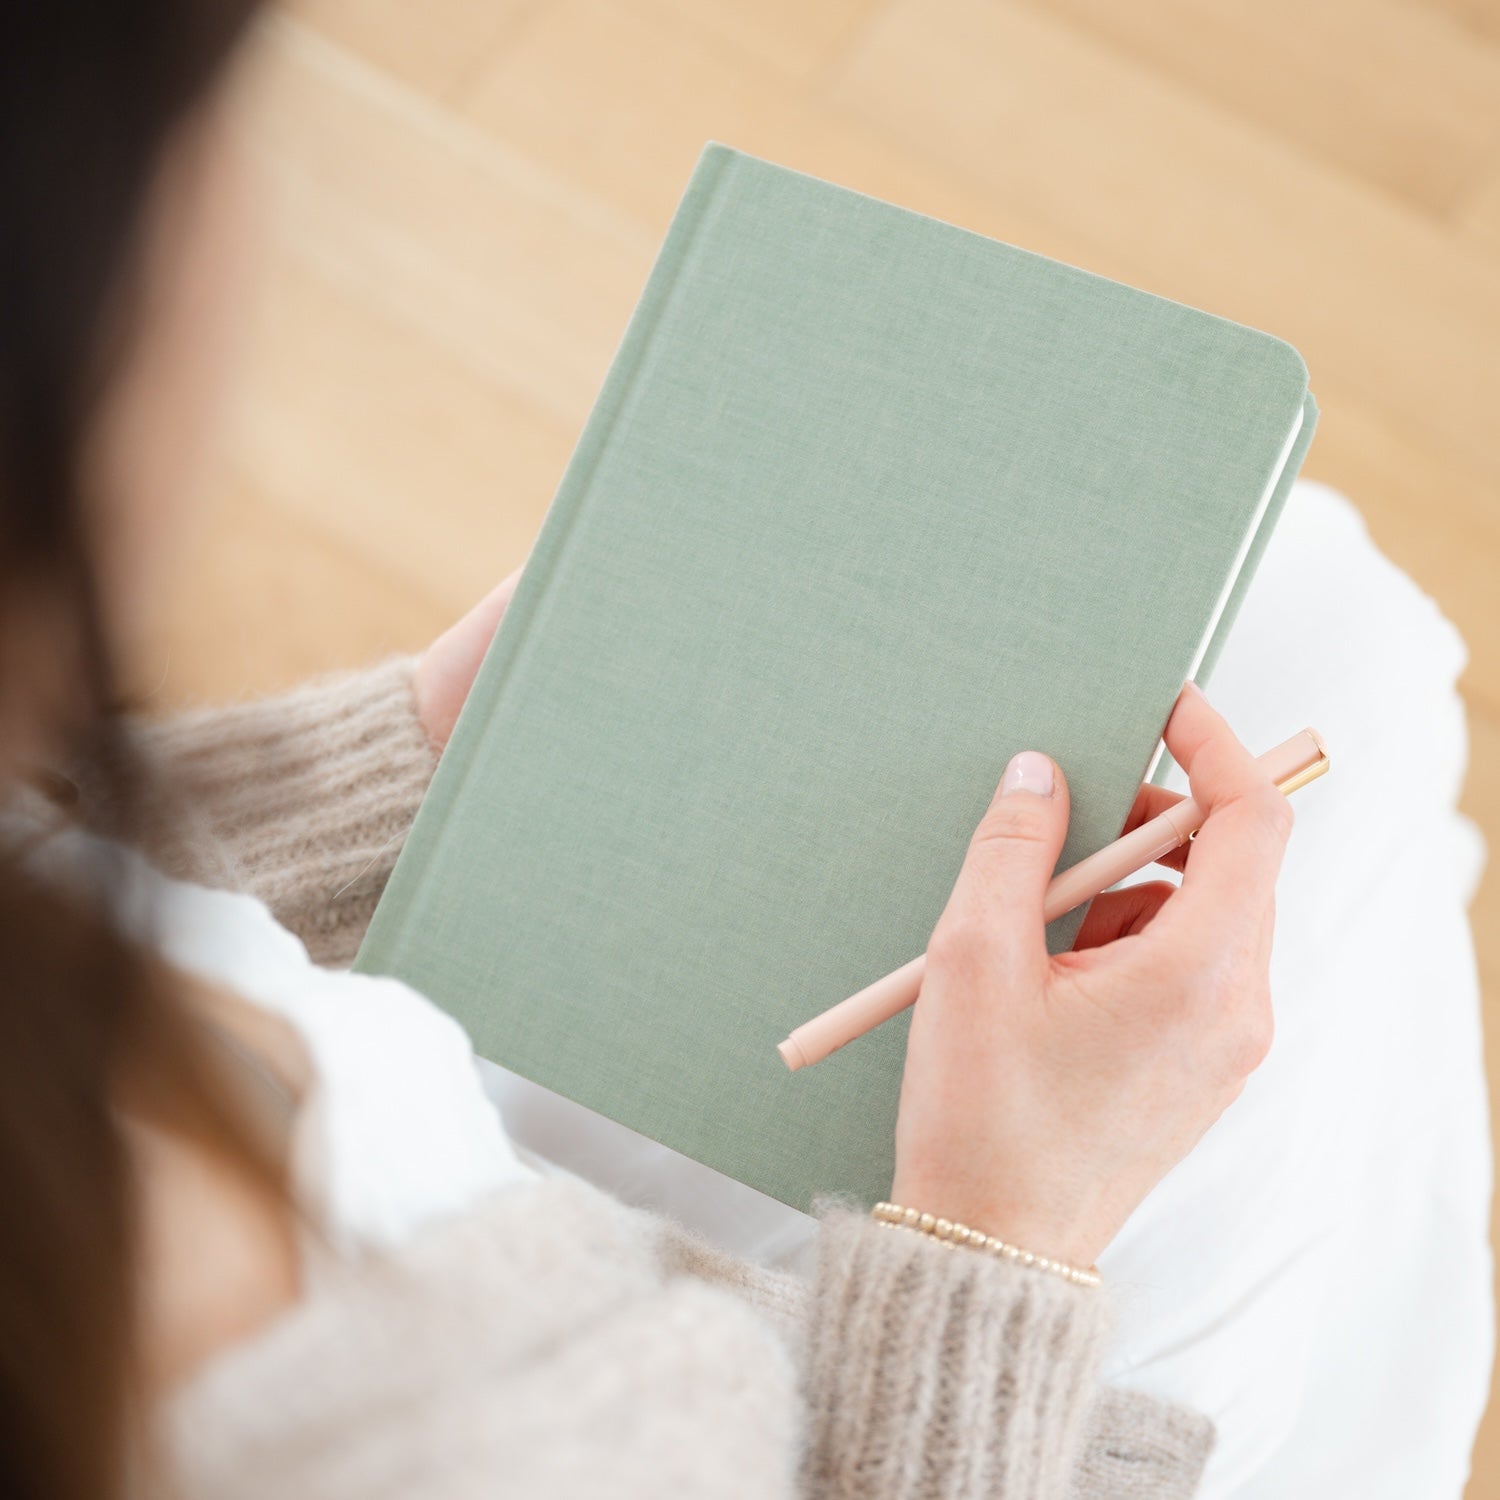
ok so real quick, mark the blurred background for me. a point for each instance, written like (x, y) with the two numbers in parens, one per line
(467, 195)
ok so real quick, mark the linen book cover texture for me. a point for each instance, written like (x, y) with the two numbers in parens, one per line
(866, 504)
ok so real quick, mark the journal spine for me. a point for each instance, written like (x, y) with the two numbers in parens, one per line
(383, 938)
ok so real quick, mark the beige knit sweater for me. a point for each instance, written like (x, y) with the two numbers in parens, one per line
(557, 1342)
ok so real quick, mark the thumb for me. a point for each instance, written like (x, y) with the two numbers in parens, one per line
(999, 894)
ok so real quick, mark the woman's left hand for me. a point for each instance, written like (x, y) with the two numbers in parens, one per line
(448, 666)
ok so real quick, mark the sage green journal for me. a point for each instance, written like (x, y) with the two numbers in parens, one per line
(866, 503)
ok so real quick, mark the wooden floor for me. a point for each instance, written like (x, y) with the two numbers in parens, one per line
(468, 193)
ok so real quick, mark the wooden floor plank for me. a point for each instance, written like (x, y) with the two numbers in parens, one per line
(528, 278)
(1319, 77)
(1481, 18)
(659, 88)
(1478, 215)
(434, 47)
(389, 441)
(266, 599)
(793, 37)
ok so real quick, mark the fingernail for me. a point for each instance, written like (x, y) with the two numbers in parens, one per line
(1192, 687)
(1029, 771)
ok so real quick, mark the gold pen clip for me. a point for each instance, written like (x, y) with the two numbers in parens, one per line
(1309, 773)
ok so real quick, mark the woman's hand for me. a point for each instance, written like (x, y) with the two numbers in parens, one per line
(447, 668)
(1045, 1096)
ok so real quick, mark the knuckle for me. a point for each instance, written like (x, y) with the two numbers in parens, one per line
(1015, 820)
(960, 942)
(1248, 1036)
(1217, 970)
(1263, 815)
(1246, 1054)
(1277, 814)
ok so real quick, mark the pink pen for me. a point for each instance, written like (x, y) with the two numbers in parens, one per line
(1290, 765)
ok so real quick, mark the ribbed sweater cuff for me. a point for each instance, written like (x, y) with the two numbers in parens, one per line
(938, 1371)
(309, 793)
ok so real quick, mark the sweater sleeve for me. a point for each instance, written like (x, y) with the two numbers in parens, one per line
(303, 799)
(937, 1371)
(934, 1370)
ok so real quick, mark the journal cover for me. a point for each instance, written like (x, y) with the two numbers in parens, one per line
(866, 503)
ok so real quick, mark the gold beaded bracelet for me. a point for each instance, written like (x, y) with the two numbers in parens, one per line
(946, 1232)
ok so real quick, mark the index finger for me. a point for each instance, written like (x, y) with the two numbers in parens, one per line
(1237, 853)
(1150, 802)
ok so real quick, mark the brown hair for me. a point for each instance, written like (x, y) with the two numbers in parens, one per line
(91, 92)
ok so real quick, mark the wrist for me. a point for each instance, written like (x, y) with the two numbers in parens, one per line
(1047, 1231)
(957, 1235)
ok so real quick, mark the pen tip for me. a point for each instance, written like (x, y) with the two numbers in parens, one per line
(791, 1054)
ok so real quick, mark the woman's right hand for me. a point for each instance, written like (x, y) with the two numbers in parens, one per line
(1044, 1096)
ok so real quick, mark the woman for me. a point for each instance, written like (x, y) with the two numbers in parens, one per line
(265, 1235)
